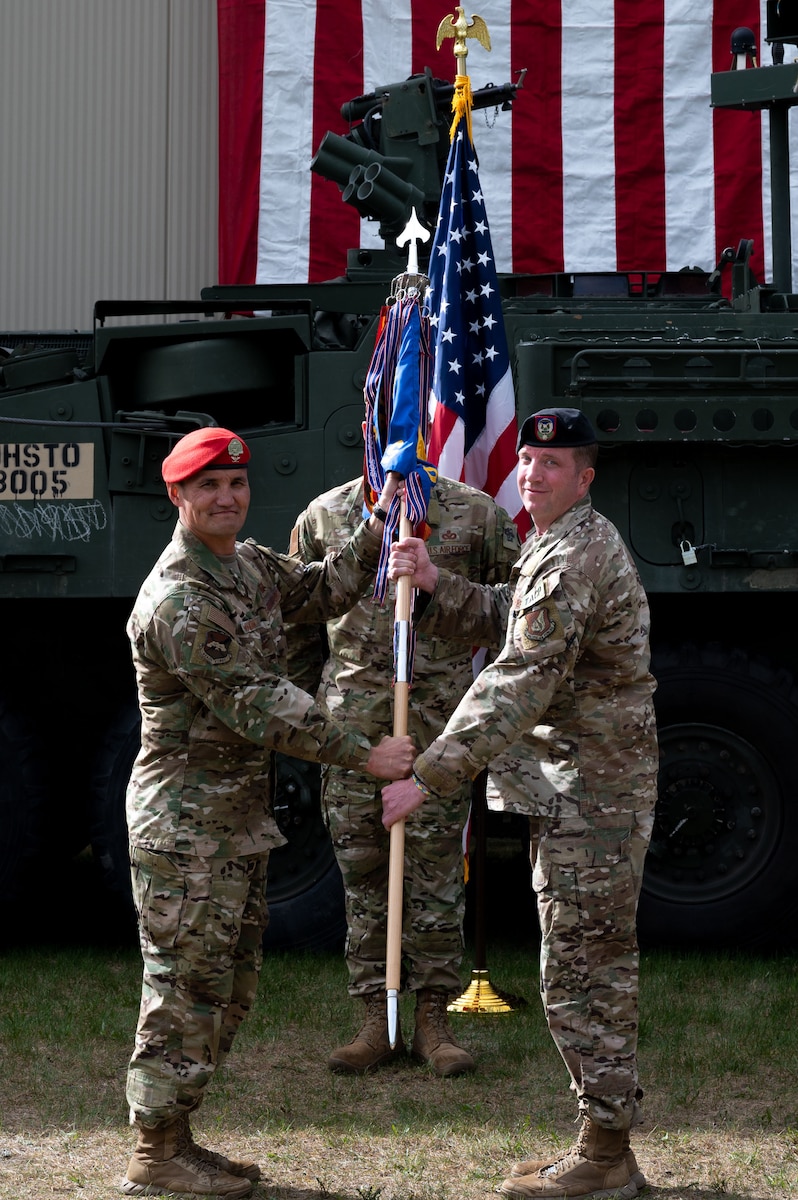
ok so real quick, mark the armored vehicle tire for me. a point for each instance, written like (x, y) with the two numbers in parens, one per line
(721, 868)
(305, 890)
(20, 803)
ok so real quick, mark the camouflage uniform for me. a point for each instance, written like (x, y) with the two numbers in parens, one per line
(565, 718)
(209, 650)
(476, 539)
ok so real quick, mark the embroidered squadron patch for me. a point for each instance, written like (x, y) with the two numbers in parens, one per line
(215, 647)
(538, 625)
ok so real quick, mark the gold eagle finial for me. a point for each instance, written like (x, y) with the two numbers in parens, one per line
(459, 29)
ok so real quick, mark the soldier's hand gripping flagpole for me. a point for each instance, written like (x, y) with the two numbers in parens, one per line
(397, 394)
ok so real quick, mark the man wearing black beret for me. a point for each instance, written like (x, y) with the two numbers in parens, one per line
(565, 721)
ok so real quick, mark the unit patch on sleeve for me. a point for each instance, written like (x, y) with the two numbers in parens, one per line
(538, 624)
(215, 640)
(215, 646)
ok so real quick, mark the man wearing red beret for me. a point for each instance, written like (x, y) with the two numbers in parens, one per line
(209, 651)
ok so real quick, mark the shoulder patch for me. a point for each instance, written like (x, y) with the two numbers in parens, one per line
(215, 640)
(214, 646)
(538, 624)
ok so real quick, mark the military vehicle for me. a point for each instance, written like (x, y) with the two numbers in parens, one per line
(691, 380)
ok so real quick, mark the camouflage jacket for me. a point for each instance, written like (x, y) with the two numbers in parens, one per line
(564, 716)
(209, 651)
(472, 536)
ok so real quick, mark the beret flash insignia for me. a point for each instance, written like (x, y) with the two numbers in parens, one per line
(545, 428)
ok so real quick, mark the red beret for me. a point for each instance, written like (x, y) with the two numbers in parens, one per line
(203, 449)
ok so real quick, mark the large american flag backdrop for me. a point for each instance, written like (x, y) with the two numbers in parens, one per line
(611, 158)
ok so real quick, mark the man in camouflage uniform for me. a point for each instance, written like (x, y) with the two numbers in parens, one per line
(209, 650)
(477, 540)
(565, 718)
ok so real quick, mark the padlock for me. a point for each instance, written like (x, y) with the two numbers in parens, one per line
(689, 556)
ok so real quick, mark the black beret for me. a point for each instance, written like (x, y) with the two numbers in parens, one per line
(556, 427)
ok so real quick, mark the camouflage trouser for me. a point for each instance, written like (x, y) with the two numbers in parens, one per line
(201, 923)
(587, 877)
(434, 906)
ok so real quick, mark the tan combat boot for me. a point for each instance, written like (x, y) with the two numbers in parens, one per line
(434, 1041)
(370, 1046)
(244, 1170)
(165, 1163)
(593, 1169)
(529, 1166)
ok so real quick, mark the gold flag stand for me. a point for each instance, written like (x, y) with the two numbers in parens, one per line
(480, 997)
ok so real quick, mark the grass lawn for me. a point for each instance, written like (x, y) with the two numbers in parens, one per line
(718, 1056)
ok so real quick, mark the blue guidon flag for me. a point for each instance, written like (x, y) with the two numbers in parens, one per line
(397, 396)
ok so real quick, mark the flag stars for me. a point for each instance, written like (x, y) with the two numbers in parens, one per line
(455, 366)
(448, 335)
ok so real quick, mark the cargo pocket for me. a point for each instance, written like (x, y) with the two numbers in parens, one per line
(159, 893)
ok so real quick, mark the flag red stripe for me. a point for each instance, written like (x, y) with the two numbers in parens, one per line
(737, 145)
(426, 19)
(241, 38)
(536, 179)
(501, 460)
(440, 431)
(639, 162)
(337, 77)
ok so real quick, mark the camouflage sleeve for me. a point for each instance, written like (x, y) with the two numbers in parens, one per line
(222, 663)
(501, 546)
(466, 612)
(307, 644)
(317, 591)
(510, 695)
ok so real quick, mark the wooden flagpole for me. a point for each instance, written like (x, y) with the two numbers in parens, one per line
(396, 856)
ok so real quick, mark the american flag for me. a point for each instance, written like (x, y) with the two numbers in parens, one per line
(611, 158)
(473, 427)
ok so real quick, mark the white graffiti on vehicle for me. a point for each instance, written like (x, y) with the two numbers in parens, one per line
(66, 522)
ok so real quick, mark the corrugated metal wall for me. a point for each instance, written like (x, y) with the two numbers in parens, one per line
(108, 155)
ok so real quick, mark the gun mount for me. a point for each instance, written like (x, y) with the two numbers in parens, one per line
(393, 157)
